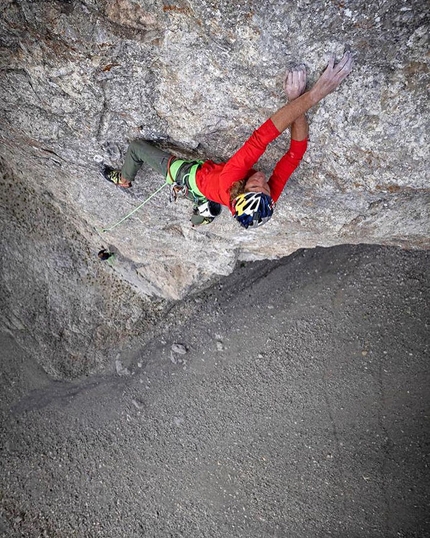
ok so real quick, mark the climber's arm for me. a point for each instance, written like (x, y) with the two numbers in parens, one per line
(294, 87)
(326, 84)
(300, 128)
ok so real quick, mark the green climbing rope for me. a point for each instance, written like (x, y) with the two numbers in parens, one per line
(110, 228)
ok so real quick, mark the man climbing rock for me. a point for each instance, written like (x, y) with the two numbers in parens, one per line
(236, 184)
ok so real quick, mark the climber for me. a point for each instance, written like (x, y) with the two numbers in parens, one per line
(236, 184)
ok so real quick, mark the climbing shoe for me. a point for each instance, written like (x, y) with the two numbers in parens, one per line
(114, 176)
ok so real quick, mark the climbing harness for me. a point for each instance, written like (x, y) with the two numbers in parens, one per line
(176, 190)
(181, 175)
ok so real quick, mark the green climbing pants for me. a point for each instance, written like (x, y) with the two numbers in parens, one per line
(182, 172)
(140, 152)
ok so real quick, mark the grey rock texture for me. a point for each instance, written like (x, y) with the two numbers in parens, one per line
(57, 298)
(80, 79)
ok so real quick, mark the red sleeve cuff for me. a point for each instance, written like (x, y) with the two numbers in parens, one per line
(298, 147)
(270, 130)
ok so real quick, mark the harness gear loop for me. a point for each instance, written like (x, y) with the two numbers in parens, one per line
(176, 191)
(179, 184)
(183, 173)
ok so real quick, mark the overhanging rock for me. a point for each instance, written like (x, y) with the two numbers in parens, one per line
(80, 79)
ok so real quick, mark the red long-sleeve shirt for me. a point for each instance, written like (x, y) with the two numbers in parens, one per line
(214, 180)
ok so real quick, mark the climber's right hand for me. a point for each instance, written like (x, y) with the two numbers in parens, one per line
(332, 77)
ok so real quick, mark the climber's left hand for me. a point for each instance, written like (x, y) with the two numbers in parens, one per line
(295, 83)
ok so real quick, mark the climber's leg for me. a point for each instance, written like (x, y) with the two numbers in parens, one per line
(139, 152)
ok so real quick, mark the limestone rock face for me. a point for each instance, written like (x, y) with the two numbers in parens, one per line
(81, 79)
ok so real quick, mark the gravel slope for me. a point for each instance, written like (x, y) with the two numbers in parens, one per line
(299, 409)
